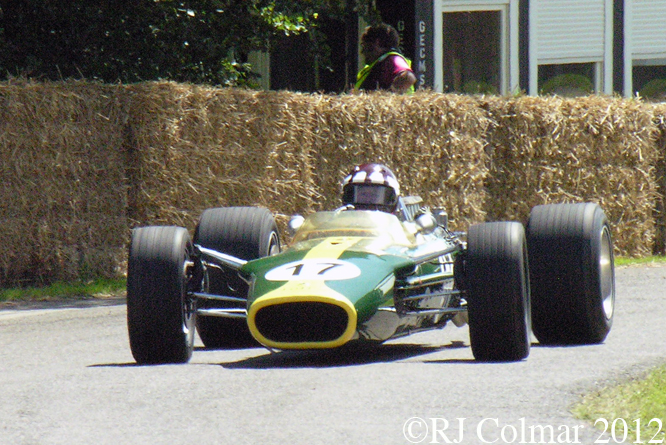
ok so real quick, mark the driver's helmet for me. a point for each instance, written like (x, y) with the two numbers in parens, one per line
(371, 187)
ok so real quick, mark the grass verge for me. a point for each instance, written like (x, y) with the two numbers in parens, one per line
(644, 261)
(634, 411)
(97, 288)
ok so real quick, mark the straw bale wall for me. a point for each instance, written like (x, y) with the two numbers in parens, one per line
(63, 199)
(659, 246)
(197, 147)
(596, 149)
(82, 163)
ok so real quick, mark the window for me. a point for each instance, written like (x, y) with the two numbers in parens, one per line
(568, 80)
(472, 53)
(650, 81)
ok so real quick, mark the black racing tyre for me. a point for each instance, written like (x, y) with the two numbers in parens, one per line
(160, 315)
(498, 294)
(247, 233)
(572, 273)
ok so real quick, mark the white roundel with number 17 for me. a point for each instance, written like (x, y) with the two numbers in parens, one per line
(314, 269)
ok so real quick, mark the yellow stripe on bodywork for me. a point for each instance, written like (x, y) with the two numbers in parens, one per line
(295, 291)
(331, 248)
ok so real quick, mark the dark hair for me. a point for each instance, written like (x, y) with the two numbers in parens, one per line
(386, 34)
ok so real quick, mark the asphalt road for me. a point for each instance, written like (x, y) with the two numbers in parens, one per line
(67, 377)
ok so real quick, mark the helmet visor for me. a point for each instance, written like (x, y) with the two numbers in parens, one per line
(370, 195)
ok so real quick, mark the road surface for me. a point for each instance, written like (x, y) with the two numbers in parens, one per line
(67, 377)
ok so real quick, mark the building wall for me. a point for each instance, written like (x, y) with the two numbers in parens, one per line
(646, 30)
(571, 40)
(617, 45)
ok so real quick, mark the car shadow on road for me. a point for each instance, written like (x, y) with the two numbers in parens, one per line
(474, 361)
(350, 355)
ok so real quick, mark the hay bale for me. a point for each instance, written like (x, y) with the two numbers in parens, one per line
(434, 143)
(63, 195)
(547, 150)
(659, 119)
(84, 162)
(199, 147)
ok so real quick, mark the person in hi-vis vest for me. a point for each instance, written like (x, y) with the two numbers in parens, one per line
(386, 68)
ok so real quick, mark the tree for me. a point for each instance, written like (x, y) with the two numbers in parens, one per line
(137, 40)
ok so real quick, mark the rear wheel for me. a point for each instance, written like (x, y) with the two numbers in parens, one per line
(498, 291)
(571, 273)
(160, 314)
(247, 233)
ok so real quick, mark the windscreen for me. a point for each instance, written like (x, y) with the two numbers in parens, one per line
(354, 223)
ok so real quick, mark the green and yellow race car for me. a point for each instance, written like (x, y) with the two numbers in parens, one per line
(369, 275)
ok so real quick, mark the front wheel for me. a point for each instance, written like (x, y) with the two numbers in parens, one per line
(247, 233)
(160, 313)
(498, 295)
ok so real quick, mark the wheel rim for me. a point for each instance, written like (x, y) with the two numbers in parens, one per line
(527, 302)
(273, 244)
(187, 306)
(606, 274)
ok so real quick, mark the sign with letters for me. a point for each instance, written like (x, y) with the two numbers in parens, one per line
(413, 19)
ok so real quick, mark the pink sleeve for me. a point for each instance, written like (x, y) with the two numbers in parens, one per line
(390, 69)
(400, 65)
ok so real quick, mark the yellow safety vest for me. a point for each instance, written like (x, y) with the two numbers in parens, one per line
(363, 74)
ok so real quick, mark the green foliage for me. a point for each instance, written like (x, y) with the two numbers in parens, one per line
(569, 85)
(202, 41)
(654, 90)
(287, 24)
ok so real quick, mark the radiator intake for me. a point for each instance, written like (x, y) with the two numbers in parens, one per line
(302, 321)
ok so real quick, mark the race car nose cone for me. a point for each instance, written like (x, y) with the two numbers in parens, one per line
(302, 322)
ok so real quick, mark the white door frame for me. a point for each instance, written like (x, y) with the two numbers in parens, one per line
(509, 38)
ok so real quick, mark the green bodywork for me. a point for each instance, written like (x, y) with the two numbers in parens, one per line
(371, 289)
(376, 243)
(389, 278)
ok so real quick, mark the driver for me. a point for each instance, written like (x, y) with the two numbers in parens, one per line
(371, 187)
